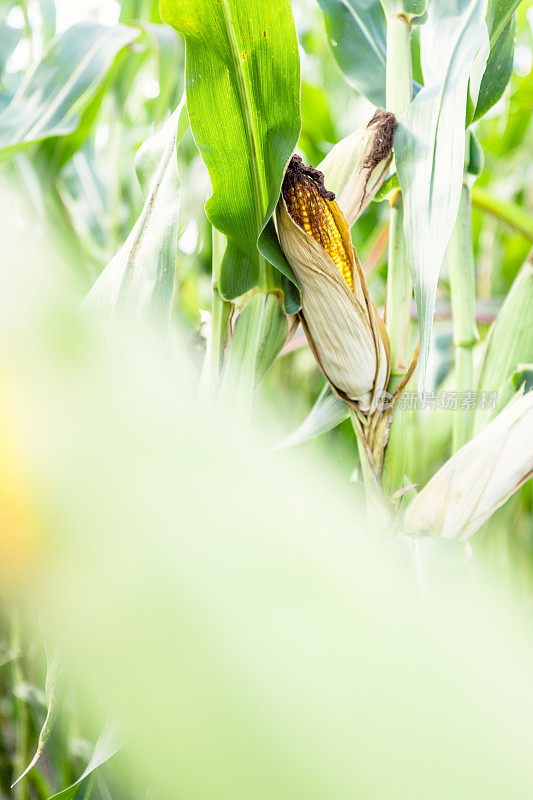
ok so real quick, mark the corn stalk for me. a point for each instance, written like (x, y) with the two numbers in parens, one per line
(399, 91)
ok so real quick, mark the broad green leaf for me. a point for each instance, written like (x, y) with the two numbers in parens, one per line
(510, 341)
(357, 36)
(498, 70)
(108, 744)
(430, 145)
(327, 412)
(52, 99)
(243, 89)
(140, 277)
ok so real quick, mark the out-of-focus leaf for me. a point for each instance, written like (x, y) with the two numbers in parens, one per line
(318, 128)
(430, 146)
(357, 35)
(328, 412)
(167, 47)
(52, 99)
(243, 90)
(9, 38)
(498, 70)
(511, 213)
(260, 331)
(50, 212)
(140, 277)
(510, 342)
(109, 743)
(48, 16)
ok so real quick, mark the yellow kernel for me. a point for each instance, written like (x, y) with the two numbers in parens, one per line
(313, 214)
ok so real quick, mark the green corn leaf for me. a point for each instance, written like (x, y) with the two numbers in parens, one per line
(52, 100)
(498, 70)
(243, 89)
(430, 145)
(499, 14)
(357, 35)
(328, 412)
(166, 46)
(510, 342)
(140, 277)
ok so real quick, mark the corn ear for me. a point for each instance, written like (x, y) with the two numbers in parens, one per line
(342, 326)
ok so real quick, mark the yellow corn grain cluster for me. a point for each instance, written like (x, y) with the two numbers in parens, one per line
(313, 213)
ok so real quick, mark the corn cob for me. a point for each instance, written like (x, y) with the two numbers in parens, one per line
(311, 206)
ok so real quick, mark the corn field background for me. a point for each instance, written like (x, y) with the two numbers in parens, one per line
(266, 420)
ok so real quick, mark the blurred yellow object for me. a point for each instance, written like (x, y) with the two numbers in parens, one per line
(19, 538)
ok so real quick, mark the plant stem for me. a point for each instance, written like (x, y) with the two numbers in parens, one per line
(399, 287)
(377, 508)
(399, 295)
(460, 257)
(399, 86)
(507, 212)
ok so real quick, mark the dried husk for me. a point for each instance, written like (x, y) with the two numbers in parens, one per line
(478, 479)
(356, 167)
(342, 325)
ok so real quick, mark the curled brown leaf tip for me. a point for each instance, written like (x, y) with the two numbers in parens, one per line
(385, 123)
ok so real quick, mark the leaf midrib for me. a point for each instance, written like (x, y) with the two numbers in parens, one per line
(260, 189)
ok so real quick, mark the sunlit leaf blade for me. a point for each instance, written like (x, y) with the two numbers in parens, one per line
(327, 412)
(430, 146)
(243, 89)
(498, 70)
(52, 99)
(510, 342)
(140, 277)
(357, 36)
(108, 744)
